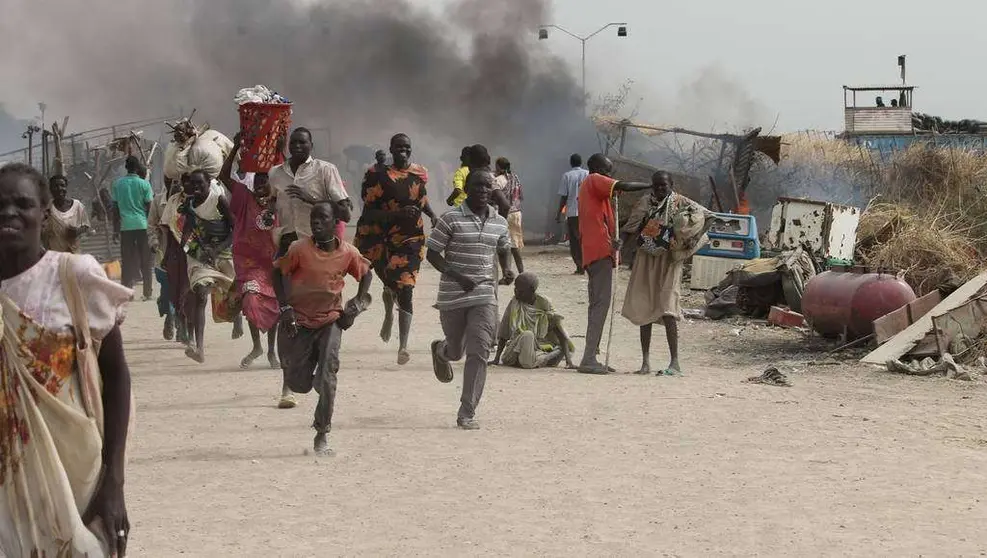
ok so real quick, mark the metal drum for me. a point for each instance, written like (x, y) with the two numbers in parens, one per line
(835, 302)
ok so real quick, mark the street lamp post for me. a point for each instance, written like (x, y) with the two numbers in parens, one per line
(621, 32)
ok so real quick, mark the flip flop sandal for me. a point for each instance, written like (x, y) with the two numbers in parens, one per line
(441, 366)
(668, 372)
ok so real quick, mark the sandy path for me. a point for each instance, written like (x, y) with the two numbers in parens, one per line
(846, 462)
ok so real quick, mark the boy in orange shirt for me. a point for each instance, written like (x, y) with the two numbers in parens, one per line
(600, 246)
(313, 318)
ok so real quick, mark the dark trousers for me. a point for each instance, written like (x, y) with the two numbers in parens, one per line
(575, 246)
(600, 292)
(310, 360)
(136, 255)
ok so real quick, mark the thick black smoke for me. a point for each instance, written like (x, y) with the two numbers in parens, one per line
(357, 71)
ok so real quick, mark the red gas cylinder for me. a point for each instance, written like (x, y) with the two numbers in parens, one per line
(838, 301)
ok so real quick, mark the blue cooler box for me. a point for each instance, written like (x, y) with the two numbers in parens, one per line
(736, 239)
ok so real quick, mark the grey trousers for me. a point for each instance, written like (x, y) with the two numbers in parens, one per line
(600, 275)
(310, 360)
(470, 332)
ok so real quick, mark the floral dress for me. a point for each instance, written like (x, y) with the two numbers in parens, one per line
(50, 405)
(394, 246)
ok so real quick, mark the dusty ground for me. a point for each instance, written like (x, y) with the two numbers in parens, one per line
(849, 461)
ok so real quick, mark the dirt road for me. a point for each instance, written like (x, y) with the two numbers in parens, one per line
(847, 462)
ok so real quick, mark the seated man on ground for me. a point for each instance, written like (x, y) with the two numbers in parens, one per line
(531, 333)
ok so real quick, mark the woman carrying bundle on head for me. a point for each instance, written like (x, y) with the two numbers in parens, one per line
(207, 238)
(253, 255)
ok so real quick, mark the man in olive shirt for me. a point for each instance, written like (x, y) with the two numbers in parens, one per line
(132, 196)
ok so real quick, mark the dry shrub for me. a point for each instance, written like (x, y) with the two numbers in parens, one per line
(931, 219)
(930, 251)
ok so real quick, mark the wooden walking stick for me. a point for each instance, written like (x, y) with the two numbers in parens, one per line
(613, 286)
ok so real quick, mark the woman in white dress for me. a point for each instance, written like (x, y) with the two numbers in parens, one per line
(65, 402)
(67, 219)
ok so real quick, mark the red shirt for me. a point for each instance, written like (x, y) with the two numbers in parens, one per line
(596, 222)
(318, 279)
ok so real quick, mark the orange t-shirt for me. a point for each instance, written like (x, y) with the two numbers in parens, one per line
(318, 278)
(596, 221)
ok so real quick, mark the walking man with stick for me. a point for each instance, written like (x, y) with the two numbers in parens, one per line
(600, 247)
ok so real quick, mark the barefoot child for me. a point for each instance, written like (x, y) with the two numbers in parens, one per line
(313, 319)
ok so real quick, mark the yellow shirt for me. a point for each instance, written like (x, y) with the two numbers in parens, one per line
(459, 183)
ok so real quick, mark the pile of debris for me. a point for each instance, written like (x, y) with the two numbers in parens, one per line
(753, 289)
(950, 334)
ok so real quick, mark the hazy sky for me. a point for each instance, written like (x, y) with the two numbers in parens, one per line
(791, 57)
(726, 64)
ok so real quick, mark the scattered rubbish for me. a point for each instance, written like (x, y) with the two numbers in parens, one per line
(831, 362)
(946, 366)
(905, 342)
(754, 288)
(962, 331)
(782, 317)
(694, 314)
(710, 271)
(829, 230)
(771, 377)
(733, 236)
(895, 322)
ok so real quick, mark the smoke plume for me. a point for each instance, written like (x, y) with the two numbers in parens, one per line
(357, 71)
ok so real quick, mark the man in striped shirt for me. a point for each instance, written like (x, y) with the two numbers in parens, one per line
(462, 247)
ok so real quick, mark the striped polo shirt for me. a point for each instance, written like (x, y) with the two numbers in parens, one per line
(470, 245)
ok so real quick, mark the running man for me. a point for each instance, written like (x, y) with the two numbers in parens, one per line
(462, 247)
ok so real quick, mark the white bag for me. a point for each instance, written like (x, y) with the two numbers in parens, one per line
(206, 152)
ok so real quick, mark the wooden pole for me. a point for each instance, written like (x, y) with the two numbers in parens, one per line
(716, 195)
